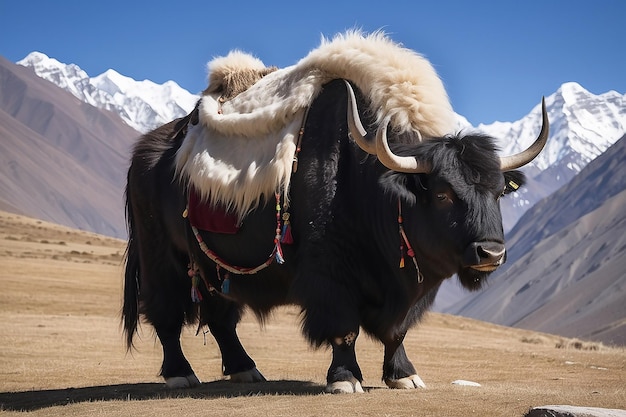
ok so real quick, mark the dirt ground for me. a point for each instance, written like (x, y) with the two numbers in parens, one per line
(62, 352)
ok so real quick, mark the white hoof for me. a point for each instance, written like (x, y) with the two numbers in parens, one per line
(344, 387)
(253, 375)
(177, 382)
(410, 382)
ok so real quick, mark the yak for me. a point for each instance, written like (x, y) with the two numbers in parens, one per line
(362, 204)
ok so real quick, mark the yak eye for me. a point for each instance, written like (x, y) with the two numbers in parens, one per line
(443, 199)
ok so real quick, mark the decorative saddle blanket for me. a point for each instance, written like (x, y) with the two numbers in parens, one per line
(242, 149)
(210, 217)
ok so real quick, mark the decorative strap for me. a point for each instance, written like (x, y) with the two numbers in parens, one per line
(277, 252)
(405, 241)
(223, 264)
(294, 168)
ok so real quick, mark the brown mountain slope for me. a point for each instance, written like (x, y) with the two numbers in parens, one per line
(62, 160)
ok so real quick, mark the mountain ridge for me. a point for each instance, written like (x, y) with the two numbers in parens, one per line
(143, 105)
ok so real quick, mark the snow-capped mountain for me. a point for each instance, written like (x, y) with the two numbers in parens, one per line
(580, 122)
(143, 105)
(582, 126)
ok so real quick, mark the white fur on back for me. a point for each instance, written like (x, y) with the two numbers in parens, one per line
(399, 82)
(245, 152)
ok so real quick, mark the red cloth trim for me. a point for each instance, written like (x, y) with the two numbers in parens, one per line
(210, 218)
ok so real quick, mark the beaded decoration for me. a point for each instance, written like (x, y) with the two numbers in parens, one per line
(405, 241)
(275, 255)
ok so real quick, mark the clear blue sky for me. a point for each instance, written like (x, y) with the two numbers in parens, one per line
(497, 58)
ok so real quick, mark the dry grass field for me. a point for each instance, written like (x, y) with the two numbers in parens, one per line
(62, 352)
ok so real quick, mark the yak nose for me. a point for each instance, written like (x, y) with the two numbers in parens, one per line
(485, 256)
(490, 251)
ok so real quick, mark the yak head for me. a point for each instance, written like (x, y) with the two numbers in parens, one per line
(451, 188)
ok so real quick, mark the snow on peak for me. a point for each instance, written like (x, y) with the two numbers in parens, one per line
(65, 76)
(35, 58)
(570, 92)
(581, 124)
(143, 105)
(112, 82)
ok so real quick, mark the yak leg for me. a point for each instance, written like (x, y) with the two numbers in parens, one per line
(222, 317)
(329, 318)
(176, 370)
(344, 374)
(398, 371)
(164, 300)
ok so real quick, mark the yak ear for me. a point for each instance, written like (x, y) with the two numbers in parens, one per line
(399, 185)
(513, 181)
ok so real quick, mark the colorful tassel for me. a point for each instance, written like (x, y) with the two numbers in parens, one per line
(286, 238)
(226, 284)
(409, 250)
(277, 248)
(196, 295)
(279, 254)
(400, 220)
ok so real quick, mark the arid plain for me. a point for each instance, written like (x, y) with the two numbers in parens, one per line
(62, 352)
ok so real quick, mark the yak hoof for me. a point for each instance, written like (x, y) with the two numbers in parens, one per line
(252, 375)
(177, 382)
(344, 387)
(410, 382)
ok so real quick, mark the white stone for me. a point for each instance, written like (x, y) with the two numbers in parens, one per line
(466, 383)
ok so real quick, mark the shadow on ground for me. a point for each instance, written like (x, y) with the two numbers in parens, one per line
(35, 400)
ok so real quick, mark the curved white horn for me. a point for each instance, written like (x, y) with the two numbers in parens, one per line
(357, 131)
(407, 164)
(508, 163)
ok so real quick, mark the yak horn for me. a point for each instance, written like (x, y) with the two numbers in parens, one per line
(407, 164)
(508, 163)
(356, 129)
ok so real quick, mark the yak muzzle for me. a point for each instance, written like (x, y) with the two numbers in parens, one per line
(484, 256)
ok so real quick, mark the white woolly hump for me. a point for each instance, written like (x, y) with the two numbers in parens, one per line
(242, 150)
(236, 60)
(399, 82)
